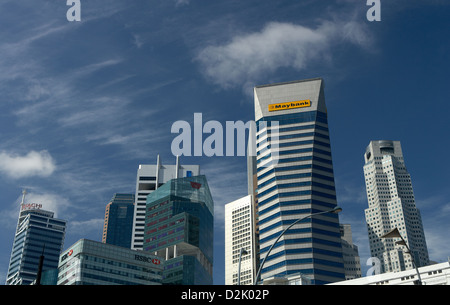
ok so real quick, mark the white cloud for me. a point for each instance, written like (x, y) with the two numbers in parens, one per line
(248, 58)
(32, 164)
(85, 227)
(181, 2)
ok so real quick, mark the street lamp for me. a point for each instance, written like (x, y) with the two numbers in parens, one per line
(336, 210)
(395, 233)
(243, 252)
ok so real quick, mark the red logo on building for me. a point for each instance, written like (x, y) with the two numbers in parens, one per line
(156, 261)
(195, 185)
(70, 252)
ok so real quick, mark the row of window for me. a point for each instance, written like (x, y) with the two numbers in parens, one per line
(295, 194)
(292, 118)
(288, 129)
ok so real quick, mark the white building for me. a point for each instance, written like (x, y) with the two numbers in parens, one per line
(392, 205)
(437, 274)
(149, 178)
(239, 235)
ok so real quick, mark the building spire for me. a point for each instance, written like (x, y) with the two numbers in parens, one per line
(24, 192)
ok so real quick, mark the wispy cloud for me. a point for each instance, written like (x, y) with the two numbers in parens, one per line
(247, 58)
(32, 164)
(87, 227)
(435, 211)
(227, 183)
(181, 2)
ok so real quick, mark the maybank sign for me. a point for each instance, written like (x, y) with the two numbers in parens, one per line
(290, 105)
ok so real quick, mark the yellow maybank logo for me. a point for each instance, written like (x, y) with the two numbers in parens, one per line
(290, 105)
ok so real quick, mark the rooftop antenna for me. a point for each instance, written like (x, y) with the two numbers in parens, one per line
(24, 192)
(158, 164)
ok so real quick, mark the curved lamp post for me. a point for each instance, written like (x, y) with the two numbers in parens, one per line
(336, 210)
(396, 233)
(242, 252)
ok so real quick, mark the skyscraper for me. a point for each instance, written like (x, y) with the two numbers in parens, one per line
(392, 205)
(179, 227)
(295, 179)
(118, 225)
(239, 235)
(38, 234)
(350, 253)
(149, 178)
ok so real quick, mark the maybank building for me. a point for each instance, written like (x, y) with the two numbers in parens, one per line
(295, 179)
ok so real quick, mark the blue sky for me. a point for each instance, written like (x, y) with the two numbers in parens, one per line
(82, 104)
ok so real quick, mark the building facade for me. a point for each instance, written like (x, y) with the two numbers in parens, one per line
(180, 228)
(392, 205)
(90, 262)
(38, 234)
(149, 178)
(436, 274)
(118, 225)
(295, 179)
(352, 262)
(239, 235)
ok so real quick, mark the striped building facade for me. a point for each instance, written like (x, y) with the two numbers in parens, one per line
(295, 179)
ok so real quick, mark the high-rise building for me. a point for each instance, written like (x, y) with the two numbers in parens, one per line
(392, 205)
(38, 234)
(149, 178)
(295, 179)
(118, 225)
(180, 228)
(352, 263)
(90, 262)
(239, 236)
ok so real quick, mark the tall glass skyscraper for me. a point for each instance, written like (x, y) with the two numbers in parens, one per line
(179, 227)
(149, 178)
(38, 233)
(295, 179)
(118, 225)
(392, 205)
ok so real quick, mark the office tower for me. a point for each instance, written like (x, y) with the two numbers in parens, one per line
(239, 236)
(295, 179)
(149, 178)
(392, 205)
(118, 225)
(352, 263)
(38, 234)
(90, 262)
(179, 227)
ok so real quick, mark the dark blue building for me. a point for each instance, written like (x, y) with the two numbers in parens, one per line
(118, 225)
